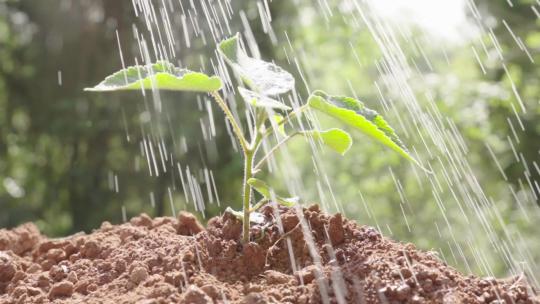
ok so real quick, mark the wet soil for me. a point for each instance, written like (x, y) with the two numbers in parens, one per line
(297, 256)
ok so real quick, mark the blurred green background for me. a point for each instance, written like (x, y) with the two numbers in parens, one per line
(70, 160)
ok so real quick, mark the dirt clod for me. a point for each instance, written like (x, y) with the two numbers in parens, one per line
(255, 298)
(211, 291)
(90, 249)
(195, 295)
(62, 289)
(7, 268)
(306, 275)
(21, 239)
(142, 220)
(289, 221)
(168, 260)
(402, 292)
(232, 227)
(335, 230)
(188, 224)
(138, 275)
(276, 277)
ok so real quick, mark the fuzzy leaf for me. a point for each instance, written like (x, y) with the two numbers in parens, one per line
(257, 100)
(353, 112)
(336, 139)
(254, 217)
(277, 119)
(161, 75)
(264, 190)
(262, 77)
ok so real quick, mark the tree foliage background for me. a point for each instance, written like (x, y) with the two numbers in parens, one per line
(70, 160)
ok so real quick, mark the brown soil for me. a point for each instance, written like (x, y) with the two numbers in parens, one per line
(168, 260)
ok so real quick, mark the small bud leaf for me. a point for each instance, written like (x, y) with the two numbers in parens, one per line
(257, 100)
(262, 77)
(265, 191)
(336, 139)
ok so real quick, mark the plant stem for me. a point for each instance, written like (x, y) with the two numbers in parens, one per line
(258, 136)
(248, 173)
(274, 149)
(261, 116)
(249, 154)
(236, 128)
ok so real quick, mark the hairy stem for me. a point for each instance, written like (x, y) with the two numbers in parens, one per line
(236, 128)
(273, 150)
(261, 117)
(249, 154)
(248, 173)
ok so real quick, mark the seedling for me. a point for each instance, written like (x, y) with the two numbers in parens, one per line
(260, 83)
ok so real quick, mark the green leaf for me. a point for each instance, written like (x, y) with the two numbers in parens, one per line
(265, 191)
(280, 127)
(257, 100)
(161, 75)
(353, 112)
(254, 217)
(336, 139)
(262, 77)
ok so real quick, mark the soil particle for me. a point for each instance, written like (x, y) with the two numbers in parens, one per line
(61, 289)
(81, 286)
(141, 220)
(168, 260)
(57, 273)
(314, 208)
(255, 298)
(307, 274)
(227, 227)
(43, 281)
(90, 249)
(91, 287)
(289, 221)
(211, 291)
(56, 255)
(402, 292)
(21, 239)
(335, 230)
(195, 295)
(138, 275)
(72, 277)
(188, 224)
(34, 268)
(7, 267)
(276, 277)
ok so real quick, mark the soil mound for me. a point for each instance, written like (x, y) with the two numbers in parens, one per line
(297, 256)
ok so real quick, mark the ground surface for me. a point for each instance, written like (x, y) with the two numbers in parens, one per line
(168, 260)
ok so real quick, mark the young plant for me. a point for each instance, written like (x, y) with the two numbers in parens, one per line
(260, 83)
